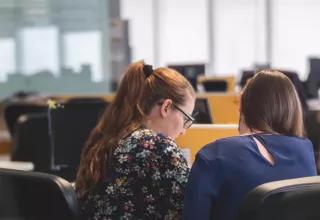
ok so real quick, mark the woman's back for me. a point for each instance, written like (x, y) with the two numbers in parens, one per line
(224, 171)
(145, 181)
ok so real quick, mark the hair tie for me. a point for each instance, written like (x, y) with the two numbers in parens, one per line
(147, 70)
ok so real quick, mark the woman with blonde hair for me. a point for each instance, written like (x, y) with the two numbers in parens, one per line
(270, 147)
(131, 168)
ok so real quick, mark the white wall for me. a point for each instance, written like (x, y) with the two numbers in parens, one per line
(183, 29)
(139, 14)
(296, 34)
(183, 32)
(239, 33)
(239, 30)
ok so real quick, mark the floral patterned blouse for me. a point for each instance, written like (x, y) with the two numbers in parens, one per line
(148, 179)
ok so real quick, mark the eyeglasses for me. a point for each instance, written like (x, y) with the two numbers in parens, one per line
(188, 119)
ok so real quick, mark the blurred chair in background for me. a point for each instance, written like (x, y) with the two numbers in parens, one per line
(52, 139)
(69, 129)
(31, 141)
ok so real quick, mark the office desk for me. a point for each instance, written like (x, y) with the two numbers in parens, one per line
(5, 142)
(201, 134)
(16, 165)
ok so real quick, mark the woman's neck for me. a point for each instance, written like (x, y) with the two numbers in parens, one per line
(250, 132)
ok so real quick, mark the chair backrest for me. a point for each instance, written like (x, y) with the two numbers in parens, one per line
(293, 199)
(31, 141)
(38, 196)
(69, 129)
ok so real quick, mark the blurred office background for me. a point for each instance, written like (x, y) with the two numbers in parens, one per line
(61, 62)
(75, 51)
(80, 46)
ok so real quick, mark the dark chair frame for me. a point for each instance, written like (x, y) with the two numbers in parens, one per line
(35, 195)
(294, 199)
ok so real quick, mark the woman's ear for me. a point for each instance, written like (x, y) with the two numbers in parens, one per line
(165, 107)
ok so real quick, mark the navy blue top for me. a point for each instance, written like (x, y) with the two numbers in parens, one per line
(226, 170)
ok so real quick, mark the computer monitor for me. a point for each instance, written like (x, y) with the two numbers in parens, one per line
(190, 71)
(218, 85)
(69, 128)
(313, 81)
(202, 111)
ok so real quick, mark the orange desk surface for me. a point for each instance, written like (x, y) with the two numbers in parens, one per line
(201, 134)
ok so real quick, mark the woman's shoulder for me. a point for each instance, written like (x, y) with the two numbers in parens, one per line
(148, 140)
(224, 146)
(147, 135)
(282, 139)
(294, 138)
(285, 140)
(146, 145)
(229, 141)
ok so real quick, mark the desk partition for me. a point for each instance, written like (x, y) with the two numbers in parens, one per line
(224, 107)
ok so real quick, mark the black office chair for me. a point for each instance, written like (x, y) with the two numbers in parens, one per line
(31, 141)
(29, 195)
(293, 199)
(69, 128)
